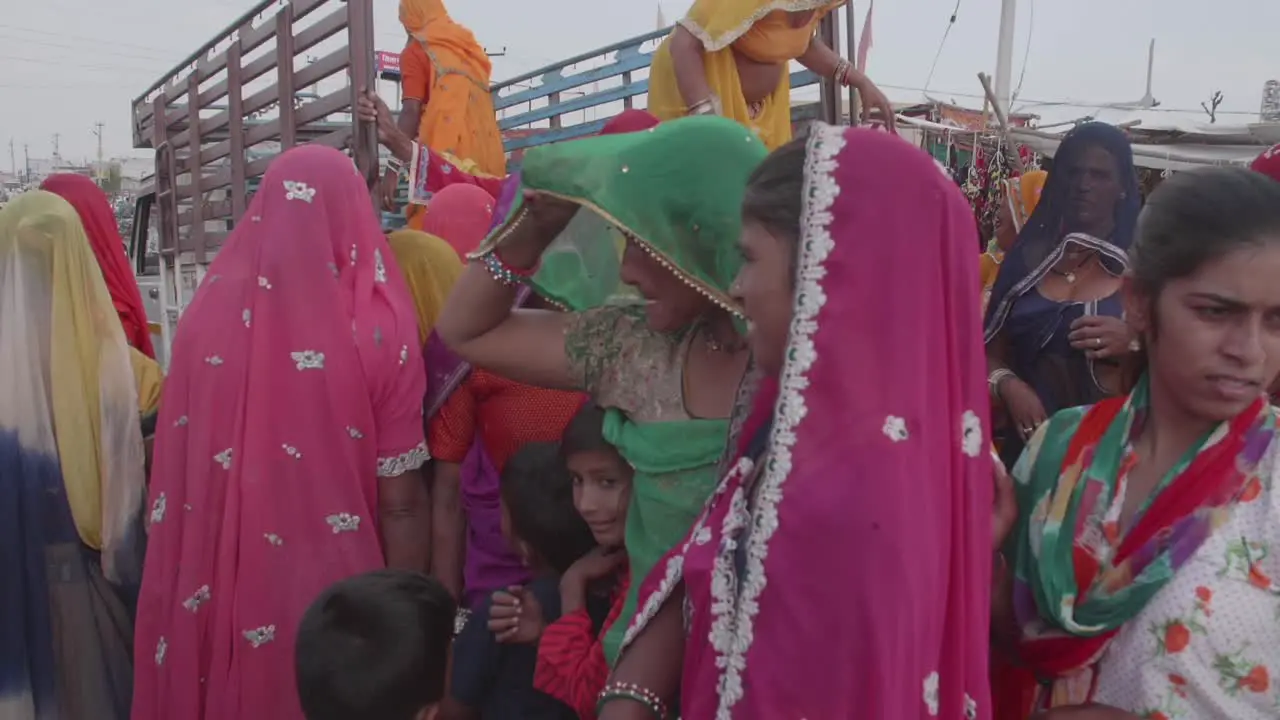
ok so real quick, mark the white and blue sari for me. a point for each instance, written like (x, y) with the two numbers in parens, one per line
(72, 474)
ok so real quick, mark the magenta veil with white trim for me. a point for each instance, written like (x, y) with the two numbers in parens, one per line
(856, 582)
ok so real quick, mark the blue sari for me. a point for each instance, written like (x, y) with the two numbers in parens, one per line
(1034, 327)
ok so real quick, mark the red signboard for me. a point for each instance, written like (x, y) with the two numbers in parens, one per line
(388, 62)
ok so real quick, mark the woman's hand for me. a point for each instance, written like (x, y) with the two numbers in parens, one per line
(371, 108)
(547, 217)
(515, 617)
(1101, 336)
(1024, 406)
(872, 98)
(387, 190)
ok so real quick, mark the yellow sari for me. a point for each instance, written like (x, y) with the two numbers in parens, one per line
(68, 379)
(1021, 194)
(759, 29)
(458, 119)
(431, 266)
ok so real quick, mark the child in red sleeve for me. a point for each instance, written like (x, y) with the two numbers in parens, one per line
(571, 664)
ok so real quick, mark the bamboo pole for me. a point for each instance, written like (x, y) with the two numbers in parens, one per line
(1003, 120)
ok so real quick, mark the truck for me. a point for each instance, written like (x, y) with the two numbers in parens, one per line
(289, 73)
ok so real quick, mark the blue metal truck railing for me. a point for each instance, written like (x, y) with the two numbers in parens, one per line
(542, 119)
(620, 60)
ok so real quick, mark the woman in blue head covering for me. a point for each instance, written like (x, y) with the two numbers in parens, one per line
(1054, 328)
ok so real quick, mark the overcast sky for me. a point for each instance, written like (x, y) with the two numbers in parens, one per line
(66, 64)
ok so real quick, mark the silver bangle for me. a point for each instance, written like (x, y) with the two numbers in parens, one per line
(998, 376)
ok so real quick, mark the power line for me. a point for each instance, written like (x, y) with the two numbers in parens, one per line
(82, 38)
(1026, 54)
(938, 55)
(80, 66)
(65, 46)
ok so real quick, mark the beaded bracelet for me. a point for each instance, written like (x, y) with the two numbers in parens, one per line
(504, 273)
(634, 693)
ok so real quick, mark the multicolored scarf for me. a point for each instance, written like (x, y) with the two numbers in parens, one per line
(1079, 578)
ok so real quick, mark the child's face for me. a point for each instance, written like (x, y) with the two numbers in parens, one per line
(601, 491)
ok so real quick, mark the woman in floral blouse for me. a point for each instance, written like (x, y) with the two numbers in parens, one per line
(1142, 563)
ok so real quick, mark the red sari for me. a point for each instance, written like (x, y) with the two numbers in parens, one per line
(99, 222)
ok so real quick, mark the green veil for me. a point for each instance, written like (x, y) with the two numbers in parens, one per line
(676, 191)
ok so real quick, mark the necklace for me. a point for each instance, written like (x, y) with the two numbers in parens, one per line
(1070, 275)
(712, 343)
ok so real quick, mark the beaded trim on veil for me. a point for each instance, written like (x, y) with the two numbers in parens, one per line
(728, 38)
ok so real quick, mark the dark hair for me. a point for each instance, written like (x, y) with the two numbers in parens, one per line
(1198, 216)
(374, 647)
(585, 432)
(775, 191)
(538, 493)
(1192, 218)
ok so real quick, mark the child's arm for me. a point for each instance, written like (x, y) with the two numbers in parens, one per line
(571, 663)
(571, 666)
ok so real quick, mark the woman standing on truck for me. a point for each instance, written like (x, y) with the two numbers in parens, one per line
(446, 103)
(72, 480)
(100, 225)
(288, 448)
(729, 57)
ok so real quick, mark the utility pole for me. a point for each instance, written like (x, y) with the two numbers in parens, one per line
(26, 161)
(55, 146)
(1004, 53)
(97, 130)
(496, 53)
(13, 158)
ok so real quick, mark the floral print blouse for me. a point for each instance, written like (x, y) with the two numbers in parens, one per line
(1208, 644)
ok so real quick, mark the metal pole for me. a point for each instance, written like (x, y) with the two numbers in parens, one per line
(1004, 52)
(855, 107)
(830, 109)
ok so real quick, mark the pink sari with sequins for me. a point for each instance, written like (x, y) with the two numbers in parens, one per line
(296, 383)
(847, 576)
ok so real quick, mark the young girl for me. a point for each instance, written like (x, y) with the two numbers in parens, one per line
(571, 660)
(493, 659)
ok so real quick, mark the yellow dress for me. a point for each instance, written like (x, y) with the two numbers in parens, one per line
(758, 29)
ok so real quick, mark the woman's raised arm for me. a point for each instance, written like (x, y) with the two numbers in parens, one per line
(478, 322)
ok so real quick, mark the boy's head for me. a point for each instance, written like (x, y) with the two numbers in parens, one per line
(538, 516)
(601, 478)
(375, 647)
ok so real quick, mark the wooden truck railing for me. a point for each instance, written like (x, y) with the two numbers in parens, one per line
(217, 120)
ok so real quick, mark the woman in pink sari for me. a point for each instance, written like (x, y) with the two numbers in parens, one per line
(288, 447)
(460, 215)
(842, 568)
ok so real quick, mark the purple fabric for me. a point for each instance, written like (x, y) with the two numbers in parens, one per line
(491, 563)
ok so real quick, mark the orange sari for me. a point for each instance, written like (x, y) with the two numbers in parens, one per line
(458, 118)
